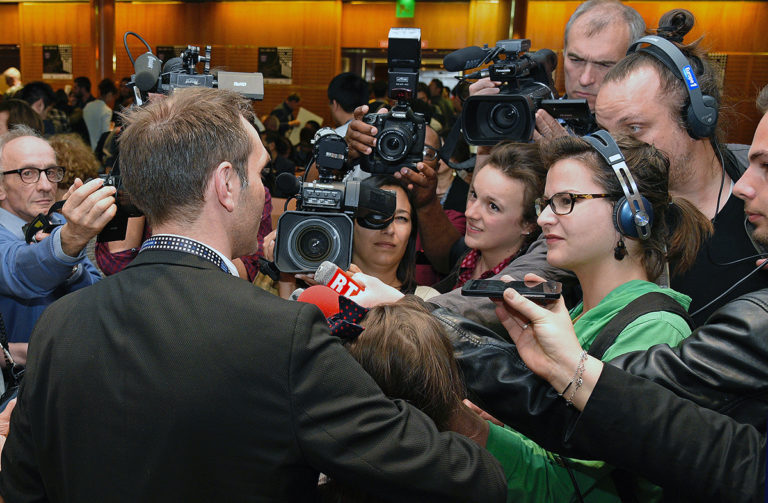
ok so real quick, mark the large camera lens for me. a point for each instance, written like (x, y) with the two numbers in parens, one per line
(313, 244)
(393, 145)
(313, 241)
(504, 117)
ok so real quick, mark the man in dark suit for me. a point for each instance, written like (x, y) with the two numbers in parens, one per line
(173, 381)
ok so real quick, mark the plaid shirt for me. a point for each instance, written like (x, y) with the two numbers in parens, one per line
(469, 263)
(111, 263)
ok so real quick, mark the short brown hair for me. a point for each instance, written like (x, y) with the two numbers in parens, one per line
(170, 148)
(522, 162)
(678, 227)
(406, 351)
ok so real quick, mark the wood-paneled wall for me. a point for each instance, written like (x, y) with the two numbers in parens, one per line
(236, 30)
(317, 30)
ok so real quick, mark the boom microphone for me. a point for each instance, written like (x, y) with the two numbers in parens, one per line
(465, 59)
(336, 279)
(147, 70)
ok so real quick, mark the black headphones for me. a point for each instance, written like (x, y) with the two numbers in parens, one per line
(701, 109)
(633, 213)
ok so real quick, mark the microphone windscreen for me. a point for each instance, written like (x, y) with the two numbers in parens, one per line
(287, 183)
(147, 69)
(173, 65)
(464, 59)
(325, 272)
(323, 297)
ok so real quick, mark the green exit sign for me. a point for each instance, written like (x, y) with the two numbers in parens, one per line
(405, 8)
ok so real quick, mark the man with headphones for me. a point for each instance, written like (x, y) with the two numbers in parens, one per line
(660, 95)
(669, 98)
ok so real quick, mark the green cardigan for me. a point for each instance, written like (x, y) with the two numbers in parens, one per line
(537, 475)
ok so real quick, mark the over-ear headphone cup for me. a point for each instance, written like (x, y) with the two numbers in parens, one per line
(696, 128)
(624, 220)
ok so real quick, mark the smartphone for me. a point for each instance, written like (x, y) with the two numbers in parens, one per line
(547, 290)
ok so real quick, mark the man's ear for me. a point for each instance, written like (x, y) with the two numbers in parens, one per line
(224, 181)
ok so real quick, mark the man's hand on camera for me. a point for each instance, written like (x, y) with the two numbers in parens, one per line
(361, 137)
(484, 86)
(422, 184)
(88, 209)
(547, 127)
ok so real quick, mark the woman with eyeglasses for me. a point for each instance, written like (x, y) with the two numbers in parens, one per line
(500, 218)
(584, 234)
(580, 215)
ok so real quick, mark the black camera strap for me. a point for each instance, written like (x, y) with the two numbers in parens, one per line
(42, 222)
(449, 146)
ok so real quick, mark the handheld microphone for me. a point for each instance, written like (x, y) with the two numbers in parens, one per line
(336, 279)
(296, 294)
(465, 59)
(147, 69)
(323, 297)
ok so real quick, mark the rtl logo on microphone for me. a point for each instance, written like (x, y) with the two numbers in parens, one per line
(343, 285)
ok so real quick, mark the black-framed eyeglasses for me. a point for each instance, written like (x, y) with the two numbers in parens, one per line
(430, 153)
(562, 202)
(55, 174)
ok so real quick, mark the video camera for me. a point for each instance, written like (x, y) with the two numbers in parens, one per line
(526, 81)
(401, 132)
(321, 228)
(176, 73)
(151, 75)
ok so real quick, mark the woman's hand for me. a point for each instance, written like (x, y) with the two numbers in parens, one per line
(376, 291)
(543, 335)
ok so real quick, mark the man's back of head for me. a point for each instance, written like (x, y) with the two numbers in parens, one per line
(170, 148)
(107, 87)
(38, 94)
(349, 90)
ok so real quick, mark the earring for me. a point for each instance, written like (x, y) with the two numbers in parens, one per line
(620, 251)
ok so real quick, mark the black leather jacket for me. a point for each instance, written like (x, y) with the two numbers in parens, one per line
(722, 366)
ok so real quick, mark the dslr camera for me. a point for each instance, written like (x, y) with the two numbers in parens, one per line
(322, 226)
(116, 228)
(526, 81)
(401, 132)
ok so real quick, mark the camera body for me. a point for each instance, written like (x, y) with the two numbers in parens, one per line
(116, 228)
(526, 81)
(401, 132)
(322, 226)
(399, 142)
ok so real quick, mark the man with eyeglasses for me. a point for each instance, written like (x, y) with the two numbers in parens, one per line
(36, 274)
